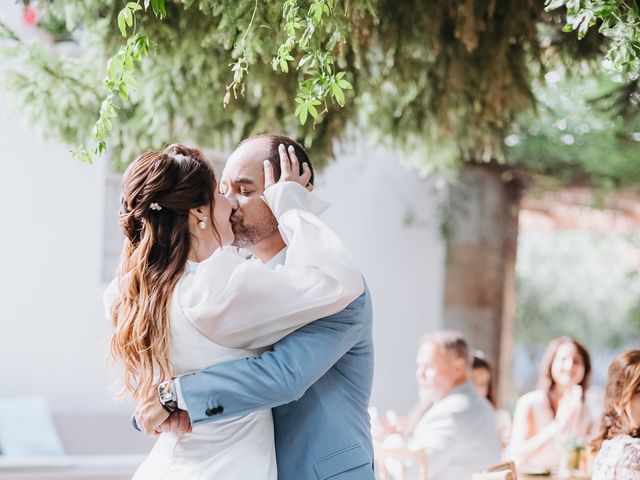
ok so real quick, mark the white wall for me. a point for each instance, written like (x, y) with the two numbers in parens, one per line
(53, 336)
(52, 333)
(387, 216)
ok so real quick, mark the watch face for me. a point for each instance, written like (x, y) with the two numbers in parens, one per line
(165, 392)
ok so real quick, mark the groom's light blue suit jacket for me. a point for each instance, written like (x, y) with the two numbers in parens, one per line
(318, 382)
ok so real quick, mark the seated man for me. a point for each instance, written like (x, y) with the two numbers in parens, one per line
(458, 433)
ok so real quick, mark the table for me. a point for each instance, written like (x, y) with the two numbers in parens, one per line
(578, 476)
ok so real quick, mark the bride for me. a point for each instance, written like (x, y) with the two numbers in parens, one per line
(184, 300)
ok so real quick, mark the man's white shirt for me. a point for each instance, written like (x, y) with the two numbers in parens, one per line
(458, 435)
(277, 259)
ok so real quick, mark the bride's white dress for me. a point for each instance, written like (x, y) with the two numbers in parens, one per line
(226, 308)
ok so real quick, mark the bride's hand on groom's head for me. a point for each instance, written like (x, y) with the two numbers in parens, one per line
(289, 169)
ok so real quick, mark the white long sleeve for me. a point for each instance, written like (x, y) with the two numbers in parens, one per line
(243, 304)
(458, 435)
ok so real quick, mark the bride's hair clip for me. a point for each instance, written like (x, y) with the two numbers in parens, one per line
(155, 206)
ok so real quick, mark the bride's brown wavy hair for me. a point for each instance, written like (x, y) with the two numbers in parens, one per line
(158, 190)
(623, 382)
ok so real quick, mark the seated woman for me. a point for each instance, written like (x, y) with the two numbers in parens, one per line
(618, 444)
(482, 378)
(554, 414)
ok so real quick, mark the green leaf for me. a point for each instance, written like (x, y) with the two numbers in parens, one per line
(338, 94)
(302, 114)
(312, 110)
(304, 60)
(144, 44)
(114, 66)
(345, 85)
(122, 22)
(554, 4)
(128, 17)
(158, 8)
(128, 63)
(83, 155)
(133, 6)
(122, 91)
(567, 28)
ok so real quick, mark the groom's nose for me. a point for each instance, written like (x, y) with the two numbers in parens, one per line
(233, 201)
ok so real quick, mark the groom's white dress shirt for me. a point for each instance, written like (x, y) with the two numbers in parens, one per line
(458, 435)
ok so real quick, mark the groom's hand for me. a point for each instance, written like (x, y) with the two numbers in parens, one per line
(150, 415)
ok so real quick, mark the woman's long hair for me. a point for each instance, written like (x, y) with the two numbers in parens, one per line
(158, 190)
(481, 362)
(546, 383)
(622, 383)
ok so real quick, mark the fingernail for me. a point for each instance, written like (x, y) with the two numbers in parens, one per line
(281, 146)
(266, 162)
(291, 148)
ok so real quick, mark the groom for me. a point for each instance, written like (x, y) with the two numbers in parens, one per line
(317, 380)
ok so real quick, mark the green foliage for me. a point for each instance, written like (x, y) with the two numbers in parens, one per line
(576, 134)
(442, 82)
(176, 93)
(120, 80)
(619, 21)
(579, 284)
(319, 82)
(445, 70)
(54, 92)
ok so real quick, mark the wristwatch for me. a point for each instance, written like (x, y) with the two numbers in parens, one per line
(167, 396)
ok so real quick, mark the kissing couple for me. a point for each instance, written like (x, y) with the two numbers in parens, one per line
(244, 368)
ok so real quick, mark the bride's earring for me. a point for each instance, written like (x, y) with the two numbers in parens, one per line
(203, 223)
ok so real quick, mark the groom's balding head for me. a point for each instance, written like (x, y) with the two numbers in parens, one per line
(271, 142)
(242, 181)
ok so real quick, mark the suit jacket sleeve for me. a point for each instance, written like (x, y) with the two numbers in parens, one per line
(279, 376)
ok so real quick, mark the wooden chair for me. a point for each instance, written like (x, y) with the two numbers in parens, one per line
(503, 471)
(403, 456)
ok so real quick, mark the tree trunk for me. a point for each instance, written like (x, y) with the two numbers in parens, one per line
(481, 229)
